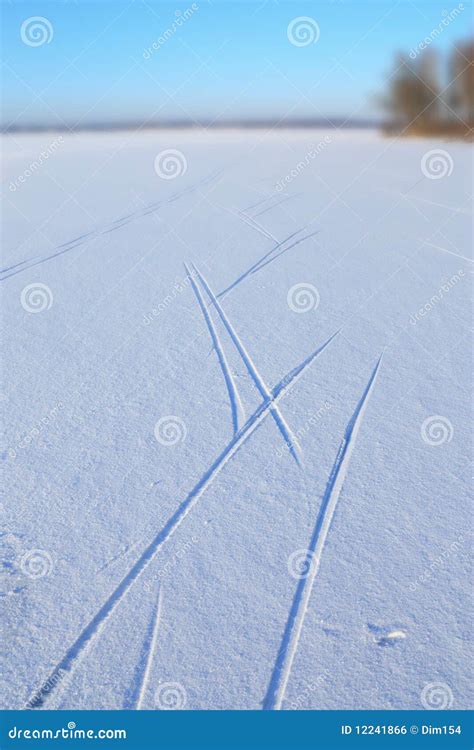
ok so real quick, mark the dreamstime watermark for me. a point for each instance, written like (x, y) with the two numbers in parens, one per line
(173, 562)
(170, 164)
(301, 563)
(313, 152)
(437, 430)
(36, 297)
(33, 167)
(46, 686)
(180, 19)
(69, 732)
(302, 698)
(303, 31)
(449, 17)
(436, 164)
(34, 432)
(170, 430)
(303, 297)
(36, 31)
(179, 287)
(36, 563)
(309, 423)
(437, 297)
(437, 564)
(170, 696)
(437, 696)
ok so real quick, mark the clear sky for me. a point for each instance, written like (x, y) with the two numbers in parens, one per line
(228, 60)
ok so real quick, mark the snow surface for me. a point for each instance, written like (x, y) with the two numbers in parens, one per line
(120, 344)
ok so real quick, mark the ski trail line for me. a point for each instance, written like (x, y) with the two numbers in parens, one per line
(238, 413)
(116, 557)
(288, 436)
(248, 220)
(65, 247)
(278, 203)
(259, 263)
(285, 250)
(251, 222)
(297, 371)
(291, 635)
(444, 250)
(145, 663)
(96, 625)
(259, 202)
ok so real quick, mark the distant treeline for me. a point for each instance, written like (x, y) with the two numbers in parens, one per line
(428, 94)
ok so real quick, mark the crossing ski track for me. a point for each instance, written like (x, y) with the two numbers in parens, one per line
(261, 261)
(98, 622)
(287, 434)
(410, 391)
(237, 408)
(292, 633)
(143, 670)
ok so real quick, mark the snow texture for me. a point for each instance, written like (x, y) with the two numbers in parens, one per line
(236, 410)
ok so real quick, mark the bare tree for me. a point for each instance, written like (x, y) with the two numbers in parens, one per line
(414, 88)
(416, 102)
(461, 74)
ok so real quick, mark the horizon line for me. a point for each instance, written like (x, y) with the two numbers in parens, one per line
(332, 123)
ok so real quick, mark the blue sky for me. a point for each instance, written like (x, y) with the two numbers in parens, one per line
(227, 60)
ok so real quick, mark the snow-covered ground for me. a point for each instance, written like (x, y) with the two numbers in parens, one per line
(153, 556)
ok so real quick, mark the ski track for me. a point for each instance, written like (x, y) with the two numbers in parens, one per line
(118, 556)
(145, 663)
(66, 247)
(236, 212)
(292, 632)
(298, 370)
(255, 225)
(288, 436)
(278, 203)
(445, 250)
(256, 266)
(92, 631)
(285, 250)
(259, 202)
(237, 408)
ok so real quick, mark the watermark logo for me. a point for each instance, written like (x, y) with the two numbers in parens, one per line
(170, 565)
(170, 696)
(310, 422)
(310, 155)
(36, 164)
(34, 432)
(301, 563)
(36, 563)
(437, 297)
(301, 700)
(180, 19)
(437, 430)
(36, 297)
(47, 683)
(437, 696)
(36, 31)
(303, 297)
(303, 31)
(448, 17)
(436, 164)
(437, 564)
(180, 286)
(170, 430)
(170, 164)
